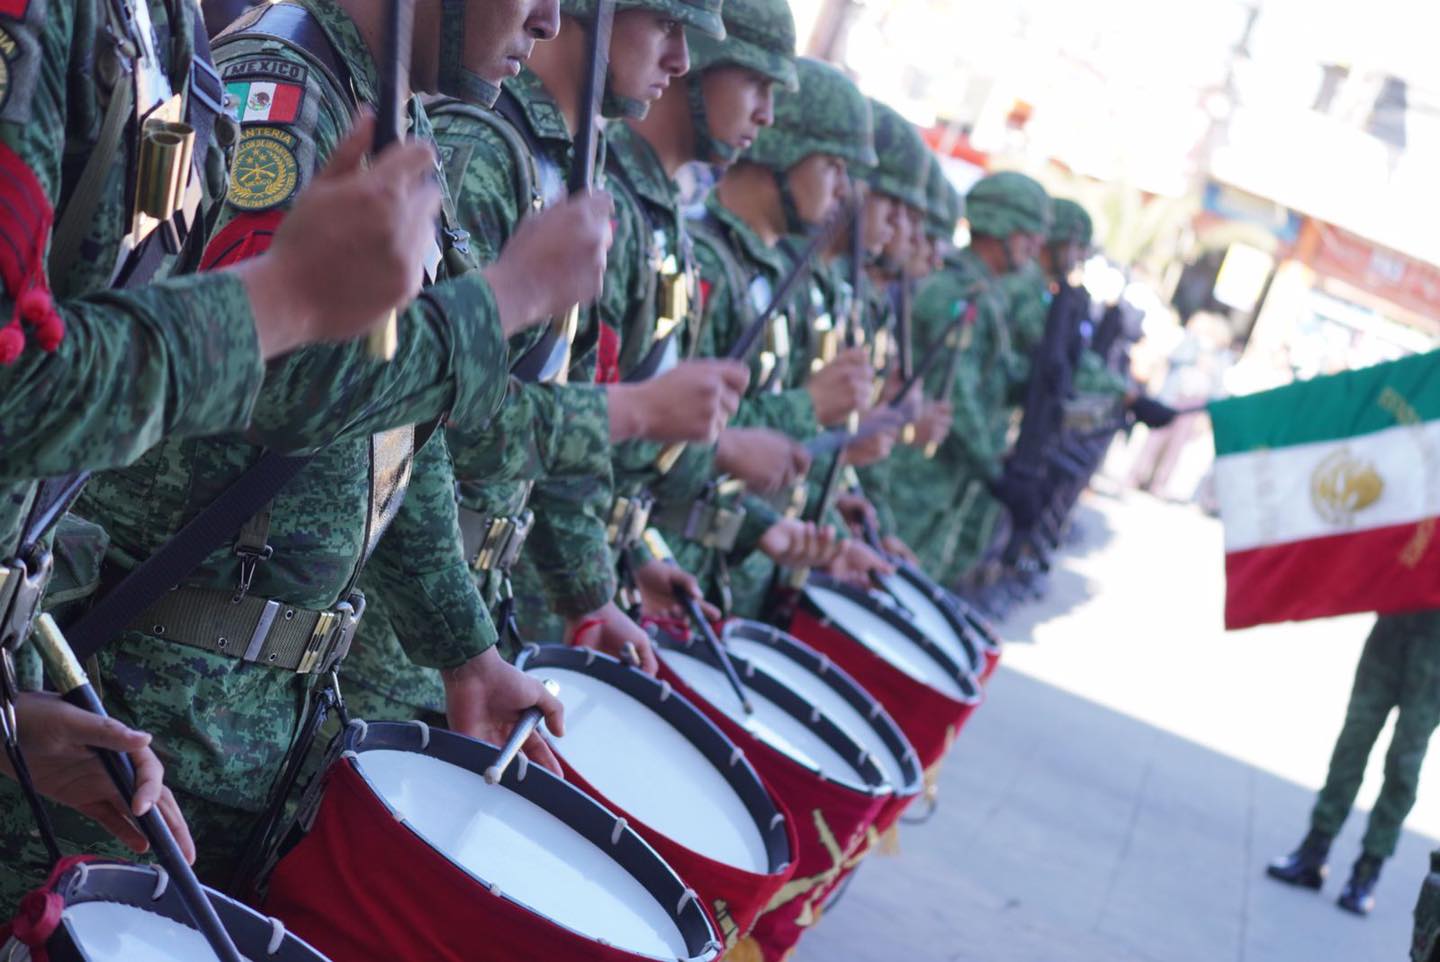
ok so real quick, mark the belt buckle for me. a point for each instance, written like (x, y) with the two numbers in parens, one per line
(330, 640)
(519, 531)
(22, 585)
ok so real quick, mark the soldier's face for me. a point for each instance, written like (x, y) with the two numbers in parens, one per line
(738, 102)
(816, 183)
(1024, 248)
(898, 251)
(647, 51)
(922, 257)
(878, 226)
(501, 34)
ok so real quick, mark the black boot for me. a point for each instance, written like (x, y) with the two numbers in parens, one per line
(1305, 866)
(1359, 893)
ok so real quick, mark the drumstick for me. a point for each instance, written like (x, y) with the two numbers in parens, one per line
(697, 618)
(523, 730)
(70, 680)
(632, 655)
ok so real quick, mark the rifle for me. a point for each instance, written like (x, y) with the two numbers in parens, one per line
(952, 369)
(548, 361)
(390, 128)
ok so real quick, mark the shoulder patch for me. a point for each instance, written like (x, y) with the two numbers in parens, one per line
(266, 172)
(264, 68)
(264, 101)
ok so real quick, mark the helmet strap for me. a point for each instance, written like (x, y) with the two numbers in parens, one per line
(793, 222)
(455, 80)
(708, 149)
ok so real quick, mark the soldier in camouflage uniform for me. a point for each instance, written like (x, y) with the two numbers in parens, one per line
(1399, 670)
(651, 295)
(502, 164)
(946, 511)
(105, 349)
(213, 669)
(788, 182)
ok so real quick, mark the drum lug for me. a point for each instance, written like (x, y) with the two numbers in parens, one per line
(277, 936)
(618, 830)
(424, 732)
(162, 882)
(666, 690)
(686, 897)
(735, 756)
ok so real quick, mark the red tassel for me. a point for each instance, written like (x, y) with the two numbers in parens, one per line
(38, 308)
(12, 342)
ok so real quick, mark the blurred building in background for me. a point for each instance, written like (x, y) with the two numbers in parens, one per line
(1272, 162)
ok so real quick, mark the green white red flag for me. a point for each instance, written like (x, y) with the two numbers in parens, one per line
(1330, 494)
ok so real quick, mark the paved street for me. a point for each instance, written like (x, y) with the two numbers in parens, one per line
(1133, 769)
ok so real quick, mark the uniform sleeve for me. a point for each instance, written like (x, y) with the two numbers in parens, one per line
(791, 412)
(569, 547)
(434, 604)
(759, 516)
(179, 357)
(452, 352)
(534, 435)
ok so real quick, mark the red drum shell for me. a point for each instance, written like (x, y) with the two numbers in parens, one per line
(931, 719)
(366, 887)
(831, 821)
(733, 896)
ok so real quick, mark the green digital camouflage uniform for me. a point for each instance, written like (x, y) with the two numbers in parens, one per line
(941, 493)
(549, 447)
(134, 366)
(1399, 669)
(221, 724)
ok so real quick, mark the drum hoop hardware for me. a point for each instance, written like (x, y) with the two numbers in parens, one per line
(162, 882)
(277, 935)
(618, 832)
(424, 732)
(666, 690)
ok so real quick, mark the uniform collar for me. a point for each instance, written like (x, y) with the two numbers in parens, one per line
(350, 46)
(748, 243)
(542, 113)
(643, 170)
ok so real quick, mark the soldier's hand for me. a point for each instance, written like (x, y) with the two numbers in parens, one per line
(872, 450)
(842, 386)
(553, 261)
(855, 563)
(691, 402)
(933, 423)
(799, 544)
(857, 511)
(57, 739)
(350, 250)
(659, 581)
(765, 460)
(485, 697)
(896, 548)
(610, 630)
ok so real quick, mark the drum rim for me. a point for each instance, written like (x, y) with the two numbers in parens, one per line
(948, 602)
(967, 680)
(134, 886)
(973, 646)
(682, 904)
(843, 684)
(826, 728)
(717, 747)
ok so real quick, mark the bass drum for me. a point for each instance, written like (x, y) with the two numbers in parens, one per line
(926, 691)
(413, 857)
(117, 912)
(833, 788)
(950, 622)
(648, 754)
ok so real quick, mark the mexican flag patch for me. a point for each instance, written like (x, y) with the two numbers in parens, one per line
(263, 101)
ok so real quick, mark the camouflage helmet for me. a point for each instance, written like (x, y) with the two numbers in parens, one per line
(943, 204)
(826, 114)
(699, 15)
(760, 36)
(902, 166)
(1008, 203)
(1069, 223)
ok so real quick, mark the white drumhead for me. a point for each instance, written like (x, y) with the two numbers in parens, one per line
(813, 689)
(113, 932)
(930, 619)
(771, 724)
(534, 857)
(643, 764)
(885, 640)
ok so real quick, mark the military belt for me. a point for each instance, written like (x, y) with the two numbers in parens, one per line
(260, 630)
(629, 517)
(709, 520)
(22, 586)
(493, 543)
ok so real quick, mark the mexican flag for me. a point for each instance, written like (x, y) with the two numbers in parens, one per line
(1330, 494)
(276, 103)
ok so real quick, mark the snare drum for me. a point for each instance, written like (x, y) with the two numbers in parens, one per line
(925, 691)
(117, 912)
(942, 616)
(833, 788)
(412, 857)
(648, 754)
